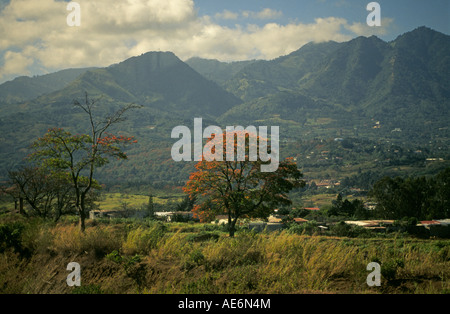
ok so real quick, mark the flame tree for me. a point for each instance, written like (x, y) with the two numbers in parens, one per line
(238, 188)
(81, 154)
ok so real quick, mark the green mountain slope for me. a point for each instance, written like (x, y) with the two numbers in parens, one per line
(362, 91)
(217, 71)
(404, 84)
(170, 92)
(27, 88)
(159, 80)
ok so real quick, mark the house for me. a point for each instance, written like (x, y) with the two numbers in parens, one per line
(174, 216)
(94, 214)
(428, 223)
(221, 220)
(376, 225)
(437, 228)
(370, 205)
(265, 226)
(434, 159)
(275, 219)
(444, 222)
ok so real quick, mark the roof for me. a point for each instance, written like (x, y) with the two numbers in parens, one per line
(369, 223)
(430, 222)
(274, 219)
(218, 217)
(312, 208)
(300, 220)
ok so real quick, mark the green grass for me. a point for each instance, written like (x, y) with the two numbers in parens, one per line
(143, 256)
(116, 201)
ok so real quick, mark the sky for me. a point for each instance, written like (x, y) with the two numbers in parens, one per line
(35, 36)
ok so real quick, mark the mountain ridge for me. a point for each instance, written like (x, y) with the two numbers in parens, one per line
(365, 87)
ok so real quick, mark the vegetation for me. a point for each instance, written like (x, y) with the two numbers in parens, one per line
(238, 187)
(408, 99)
(68, 157)
(136, 256)
(422, 197)
(347, 113)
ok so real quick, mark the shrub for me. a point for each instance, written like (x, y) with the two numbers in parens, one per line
(99, 241)
(142, 240)
(89, 289)
(203, 236)
(389, 269)
(308, 228)
(195, 258)
(131, 265)
(11, 237)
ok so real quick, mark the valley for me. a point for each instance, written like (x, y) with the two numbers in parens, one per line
(345, 110)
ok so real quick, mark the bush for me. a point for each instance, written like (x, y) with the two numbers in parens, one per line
(89, 289)
(389, 269)
(99, 240)
(196, 258)
(308, 228)
(11, 237)
(203, 236)
(142, 240)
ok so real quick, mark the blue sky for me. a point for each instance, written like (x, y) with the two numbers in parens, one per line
(407, 14)
(35, 37)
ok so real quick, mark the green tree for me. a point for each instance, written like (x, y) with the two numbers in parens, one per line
(385, 192)
(420, 197)
(441, 202)
(240, 188)
(48, 194)
(81, 154)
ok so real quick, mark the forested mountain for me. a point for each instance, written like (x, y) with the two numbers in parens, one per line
(401, 85)
(390, 96)
(25, 88)
(217, 71)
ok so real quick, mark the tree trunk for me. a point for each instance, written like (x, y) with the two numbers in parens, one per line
(82, 211)
(21, 205)
(231, 227)
(82, 220)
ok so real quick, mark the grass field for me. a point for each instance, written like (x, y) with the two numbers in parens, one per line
(141, 256)
(115, 201)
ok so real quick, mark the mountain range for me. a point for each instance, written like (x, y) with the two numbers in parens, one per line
(383, 92)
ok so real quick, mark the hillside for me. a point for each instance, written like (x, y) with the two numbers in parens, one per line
(391, 96)
(150, 257)
(27, 88)
(214, 70)
(402, 84)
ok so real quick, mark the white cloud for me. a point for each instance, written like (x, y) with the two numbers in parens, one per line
(15, 63)
(35, 35)
(265, 14)
(362, 29)
(227, 15)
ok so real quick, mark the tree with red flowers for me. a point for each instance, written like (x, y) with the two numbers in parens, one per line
(239, 188)
(81, 154)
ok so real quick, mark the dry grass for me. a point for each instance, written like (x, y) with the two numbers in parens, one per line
(153, 258)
